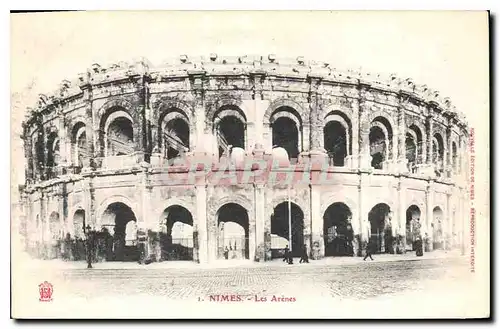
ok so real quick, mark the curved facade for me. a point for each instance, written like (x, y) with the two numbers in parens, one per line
(115, 150)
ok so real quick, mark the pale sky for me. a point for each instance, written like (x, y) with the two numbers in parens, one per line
(448, 51)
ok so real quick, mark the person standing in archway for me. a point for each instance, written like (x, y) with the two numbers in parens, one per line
(304, 258)
(369, 249)
(286, 255)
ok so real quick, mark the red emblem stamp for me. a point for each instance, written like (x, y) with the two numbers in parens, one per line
(46, 290)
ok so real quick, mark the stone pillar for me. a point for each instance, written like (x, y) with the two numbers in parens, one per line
(401, 159)
(364, 138)
(260, 108)
(401, 223)
(28, 155)
(269, 212)
(144, 221)
(201, 227)
(307, 225)
(448, 161)
(203, 142)
(252, 243)
(44, 234)
(355, 135)
(317, 138)
(250, 137)
(64, 152)
(448, 223)
(427, 168)
(364, 224)
(304, 139)
(429, 199)
(267, 137)
(365, 157)
(89, 204)
(316, 224)
(259, 213)
(429, 133)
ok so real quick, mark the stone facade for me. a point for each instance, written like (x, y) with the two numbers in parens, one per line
(112, 138)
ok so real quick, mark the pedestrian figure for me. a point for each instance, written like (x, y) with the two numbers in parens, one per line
(418, 247)
(285, 255)
(304, 258)
(226, 253)
(369, 250)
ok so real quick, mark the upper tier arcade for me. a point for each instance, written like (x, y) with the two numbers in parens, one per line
(130, 115)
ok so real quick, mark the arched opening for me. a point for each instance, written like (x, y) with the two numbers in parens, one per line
(120, 137)
(454, 157)
(79, 224)
(119, 222)
(175, 138)
(381, 228)
(52, 154)
(438, 154)
(413, 226)
(78, 249)
(380, 138)
(287, 218)
(232, 228)
(337, 230)
(335, 143)
(56, 232)
(39, 155)
(176, 236)
(414, 148)
(378, 147)
(438, 228)
(286, 128)
(79, 144)
(55, 227)
(230, 134)
(411, 152)
(116, 133)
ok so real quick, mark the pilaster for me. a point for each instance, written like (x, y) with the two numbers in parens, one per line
(201, 227)
(401, 223)
(429, 199)
(318, 244)
(355, 135)
(259, 213)
(364, 224)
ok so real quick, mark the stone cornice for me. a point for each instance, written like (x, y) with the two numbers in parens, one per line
(237, 66)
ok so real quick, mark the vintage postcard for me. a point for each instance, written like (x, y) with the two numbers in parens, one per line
(279, 164)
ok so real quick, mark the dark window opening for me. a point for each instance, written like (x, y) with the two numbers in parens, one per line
(335, 142)
(286, 135)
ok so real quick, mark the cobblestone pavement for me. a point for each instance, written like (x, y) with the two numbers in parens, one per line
(362, 280)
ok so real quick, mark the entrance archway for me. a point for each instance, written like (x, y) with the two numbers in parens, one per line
(280, 228)
(55, 227)
(380, 228)
(176, 236)
(337, 230)
(413, 225)
(232, 229)
(79, 224)
(438, 228)
(120, 222)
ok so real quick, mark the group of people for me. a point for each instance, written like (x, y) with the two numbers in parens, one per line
(288, 256)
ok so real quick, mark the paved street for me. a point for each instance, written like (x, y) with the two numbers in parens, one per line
(335, 289)
(358, 281)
